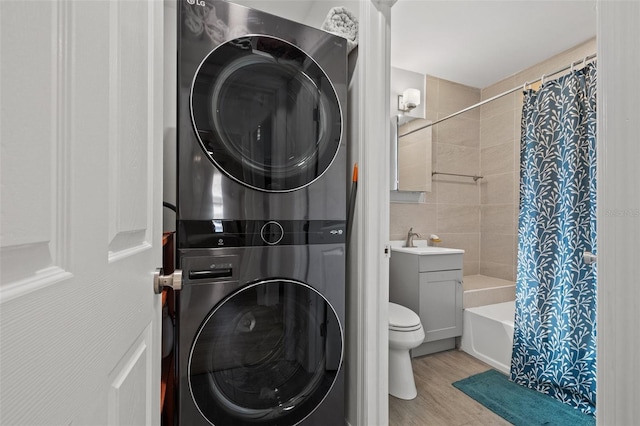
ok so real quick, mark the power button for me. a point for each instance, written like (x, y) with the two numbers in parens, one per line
(272, 232)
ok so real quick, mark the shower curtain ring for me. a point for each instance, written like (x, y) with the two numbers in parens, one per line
(542, 80)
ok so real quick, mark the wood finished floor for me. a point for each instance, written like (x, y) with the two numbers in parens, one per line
(439, 403)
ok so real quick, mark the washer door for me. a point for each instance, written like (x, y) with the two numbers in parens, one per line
(268, 354)
(266, 114)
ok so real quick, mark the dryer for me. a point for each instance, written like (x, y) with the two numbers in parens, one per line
(261, 200)
(260, 326)
(261, 107)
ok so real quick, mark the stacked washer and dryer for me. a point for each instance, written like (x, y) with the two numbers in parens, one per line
(261, 232)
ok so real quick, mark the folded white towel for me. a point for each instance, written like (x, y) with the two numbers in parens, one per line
(342, 22)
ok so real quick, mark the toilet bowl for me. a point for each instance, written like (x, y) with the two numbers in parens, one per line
(405, 333)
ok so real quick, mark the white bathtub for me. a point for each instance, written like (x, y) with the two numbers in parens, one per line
(487, 334)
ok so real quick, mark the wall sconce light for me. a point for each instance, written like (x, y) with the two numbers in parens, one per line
(409, 99)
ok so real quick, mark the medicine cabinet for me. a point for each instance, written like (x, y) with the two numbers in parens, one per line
(411, 156)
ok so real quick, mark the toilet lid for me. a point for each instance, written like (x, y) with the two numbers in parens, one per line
(401, 318)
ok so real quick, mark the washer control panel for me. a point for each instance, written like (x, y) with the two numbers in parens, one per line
(251, 233)
(272, 232)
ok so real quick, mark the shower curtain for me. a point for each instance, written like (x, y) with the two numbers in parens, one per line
(554, 348)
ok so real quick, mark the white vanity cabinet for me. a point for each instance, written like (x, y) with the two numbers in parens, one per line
(429, 282)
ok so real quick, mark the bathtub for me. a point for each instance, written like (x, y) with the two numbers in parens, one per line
(487, 334)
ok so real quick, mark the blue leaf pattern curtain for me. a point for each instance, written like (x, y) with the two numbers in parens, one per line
(554, 349)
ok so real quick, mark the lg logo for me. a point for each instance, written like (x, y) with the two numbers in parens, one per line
(196, 2)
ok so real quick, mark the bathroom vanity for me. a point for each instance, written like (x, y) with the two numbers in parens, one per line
(428, 280)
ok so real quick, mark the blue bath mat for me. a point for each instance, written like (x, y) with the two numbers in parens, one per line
(520, 405)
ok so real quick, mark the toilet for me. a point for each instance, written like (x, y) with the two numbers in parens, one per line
(405, 333)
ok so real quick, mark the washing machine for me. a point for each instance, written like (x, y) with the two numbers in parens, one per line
(260, 325)
(261, 107)
(261, 200)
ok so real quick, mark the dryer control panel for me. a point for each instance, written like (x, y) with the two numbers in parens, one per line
(250, 233)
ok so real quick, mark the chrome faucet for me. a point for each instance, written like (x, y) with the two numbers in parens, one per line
(410, 235)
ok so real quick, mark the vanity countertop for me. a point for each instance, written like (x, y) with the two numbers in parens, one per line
(422, 248)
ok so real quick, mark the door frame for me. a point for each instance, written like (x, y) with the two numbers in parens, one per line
(371, 223)
(618, 269)
(618, 211)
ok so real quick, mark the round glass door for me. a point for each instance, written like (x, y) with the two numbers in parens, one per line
(266, 114)
(268, 355)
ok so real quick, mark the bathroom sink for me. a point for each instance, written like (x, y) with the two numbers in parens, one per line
(422, 248)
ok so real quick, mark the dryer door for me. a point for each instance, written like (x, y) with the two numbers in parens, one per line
(268, 354)
(266, 114)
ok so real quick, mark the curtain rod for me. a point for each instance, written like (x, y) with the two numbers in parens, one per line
(508, 92)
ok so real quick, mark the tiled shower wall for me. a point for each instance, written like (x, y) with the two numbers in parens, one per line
(482, 217)
(499, 164)
(452, 209)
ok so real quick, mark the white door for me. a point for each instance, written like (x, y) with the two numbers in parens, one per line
(80, 223)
